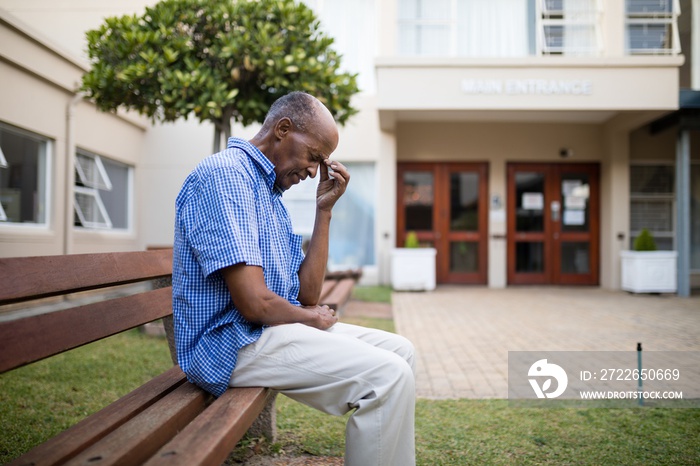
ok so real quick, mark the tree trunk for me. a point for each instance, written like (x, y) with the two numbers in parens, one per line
(222, 127)
(217, 139)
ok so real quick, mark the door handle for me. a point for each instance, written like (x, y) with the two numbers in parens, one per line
(555, 207)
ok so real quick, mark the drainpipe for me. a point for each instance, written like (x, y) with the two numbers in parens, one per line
(70, 174)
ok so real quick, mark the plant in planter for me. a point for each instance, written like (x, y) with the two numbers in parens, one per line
(645, 241)
(646, 270)
(413, 266)
(411, 240)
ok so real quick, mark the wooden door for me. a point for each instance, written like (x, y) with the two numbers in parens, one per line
(553, 223)
(446, 205)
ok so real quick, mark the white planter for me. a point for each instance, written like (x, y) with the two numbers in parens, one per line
(413, 269)
(649, 271)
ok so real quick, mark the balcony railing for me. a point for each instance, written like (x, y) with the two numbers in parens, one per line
(532, 27)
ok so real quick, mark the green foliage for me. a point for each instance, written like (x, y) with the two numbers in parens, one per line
(219, 60)
(411, 240)
(644, 242)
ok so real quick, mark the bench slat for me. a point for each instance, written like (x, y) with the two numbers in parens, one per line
(340, 293)
(139, 438)
(31, 339)
(46, 276)
(91, 429)
(210, 438)
(326, 288)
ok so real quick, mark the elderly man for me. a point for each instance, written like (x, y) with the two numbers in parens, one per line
(246, 298)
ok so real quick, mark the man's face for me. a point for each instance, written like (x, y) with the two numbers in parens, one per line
(302, 155)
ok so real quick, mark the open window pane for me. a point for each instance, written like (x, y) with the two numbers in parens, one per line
(569, 27)
(89, 209)
(90, 172)
(102, 192)
(652, 26)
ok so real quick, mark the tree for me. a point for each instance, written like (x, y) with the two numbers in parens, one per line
(221, 60)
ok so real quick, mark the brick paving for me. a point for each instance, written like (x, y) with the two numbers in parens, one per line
(463, 334)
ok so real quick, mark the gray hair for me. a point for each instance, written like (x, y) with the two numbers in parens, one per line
(298, 106)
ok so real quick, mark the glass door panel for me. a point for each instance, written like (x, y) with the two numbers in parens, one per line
(464, 201)
(575, 193)
(418, 200)
(464, 257)
(529, 198)
(575, 258)
(529, 257)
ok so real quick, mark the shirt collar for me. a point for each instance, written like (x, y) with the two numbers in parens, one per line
(266, 167)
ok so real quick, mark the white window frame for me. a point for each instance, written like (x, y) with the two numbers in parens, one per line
(98, 179)
(46, 170)
(3, 164)
(98, 205)
(92, 183)
(546, 17)
(653, 18)
(450, 23)
(3, 160)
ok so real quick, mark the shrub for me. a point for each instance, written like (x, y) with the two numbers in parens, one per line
(411, 240)
(644, 242)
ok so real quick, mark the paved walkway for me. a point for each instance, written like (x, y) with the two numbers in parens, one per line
(463, 334)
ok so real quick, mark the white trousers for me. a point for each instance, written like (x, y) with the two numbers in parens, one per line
(343, 368)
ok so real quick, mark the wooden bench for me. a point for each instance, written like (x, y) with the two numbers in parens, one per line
(165, 421)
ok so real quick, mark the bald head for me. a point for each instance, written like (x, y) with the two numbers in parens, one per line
(301, 108)
(298, 134)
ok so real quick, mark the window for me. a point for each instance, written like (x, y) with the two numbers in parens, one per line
(352, 24)
(695, 216)
(568, 27)
(352, 229)
(102, 192)
(499, 28)
(652, 26)
(652, 205)
(24, 177)
(468, 28)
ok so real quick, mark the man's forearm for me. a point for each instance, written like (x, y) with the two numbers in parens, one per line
(258, 304)
(313, 268)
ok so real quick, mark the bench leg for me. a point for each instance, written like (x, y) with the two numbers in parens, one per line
(266, 423)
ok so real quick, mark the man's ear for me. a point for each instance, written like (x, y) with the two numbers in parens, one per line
(283, 127)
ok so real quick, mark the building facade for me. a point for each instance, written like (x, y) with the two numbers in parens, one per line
(528, 141)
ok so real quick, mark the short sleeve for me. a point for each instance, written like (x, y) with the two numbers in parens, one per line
(224, 227)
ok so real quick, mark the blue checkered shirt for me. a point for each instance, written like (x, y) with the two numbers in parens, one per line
(228, 211)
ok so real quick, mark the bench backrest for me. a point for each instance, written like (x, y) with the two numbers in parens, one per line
(26, 337)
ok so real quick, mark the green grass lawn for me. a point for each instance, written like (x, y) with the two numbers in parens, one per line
(42, 399)
(379, 294)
